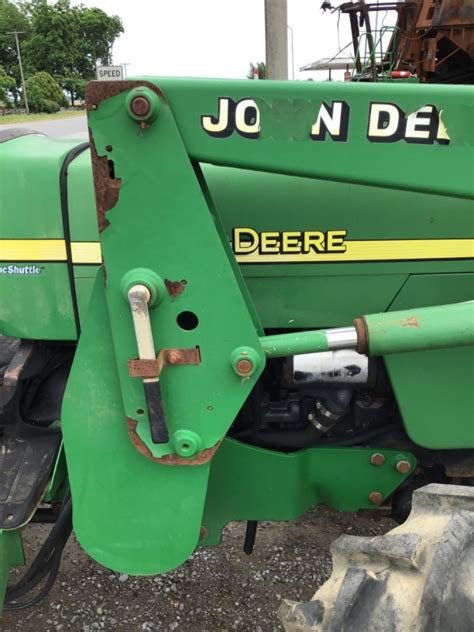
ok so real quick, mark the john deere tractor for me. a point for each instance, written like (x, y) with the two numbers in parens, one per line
(240, 300)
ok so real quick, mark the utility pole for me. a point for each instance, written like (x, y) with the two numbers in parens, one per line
(16, 33)
(124, 66)
(292, 52)
(276, 39)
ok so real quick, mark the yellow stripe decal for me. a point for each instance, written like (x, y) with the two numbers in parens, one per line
(86, 252)
(389, 250)
(33, 250)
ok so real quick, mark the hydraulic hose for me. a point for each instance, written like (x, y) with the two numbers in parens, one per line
(46, 563)
(308, 439)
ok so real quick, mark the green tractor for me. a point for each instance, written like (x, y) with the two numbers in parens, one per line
(238, 301)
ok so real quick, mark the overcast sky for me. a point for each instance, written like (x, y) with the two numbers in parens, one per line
(216, 38)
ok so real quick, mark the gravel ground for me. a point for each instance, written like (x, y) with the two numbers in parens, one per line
(217, 589)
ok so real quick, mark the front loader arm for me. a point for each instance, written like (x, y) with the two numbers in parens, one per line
(140, 427)
(426, 129)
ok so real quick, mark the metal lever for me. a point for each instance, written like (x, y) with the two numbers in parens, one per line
(139, 297)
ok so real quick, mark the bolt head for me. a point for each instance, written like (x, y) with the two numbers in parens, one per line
(244, 366)
(186, 443)
(174, 357)
(403, 467)
(375, 498)
(377, 458)
(140, 106)
(244, 361)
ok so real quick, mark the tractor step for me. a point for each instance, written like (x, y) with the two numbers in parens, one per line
(27, 457)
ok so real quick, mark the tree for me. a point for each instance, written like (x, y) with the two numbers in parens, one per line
(44, 94)
(53, 44)
(12, 18)
(98, 32)
(75, 85)
(7, 84)
(68, 42)
(260, 68)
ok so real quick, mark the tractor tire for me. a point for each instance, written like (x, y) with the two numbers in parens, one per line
(419, 577)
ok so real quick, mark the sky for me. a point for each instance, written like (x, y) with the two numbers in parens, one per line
(217, 38)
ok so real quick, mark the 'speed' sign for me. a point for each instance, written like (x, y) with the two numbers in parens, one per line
(109, 73)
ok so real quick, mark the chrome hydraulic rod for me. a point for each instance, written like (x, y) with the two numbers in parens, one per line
(418, 329)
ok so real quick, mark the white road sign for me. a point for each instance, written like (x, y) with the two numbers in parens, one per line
(109, 73)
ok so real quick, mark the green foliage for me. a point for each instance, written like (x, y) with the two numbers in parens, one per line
(65, 41)
(261, 70)
(12, 18)
(44, 94)
(74, 85)
(7, 84)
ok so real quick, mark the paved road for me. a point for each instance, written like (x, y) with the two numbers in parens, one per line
(75, 127)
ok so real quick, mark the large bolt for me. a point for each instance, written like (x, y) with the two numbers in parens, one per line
(375, 498)
(143, 105)
(140, 106)
(403, 466)
(244, 366)
(245, 361)
(377, 458)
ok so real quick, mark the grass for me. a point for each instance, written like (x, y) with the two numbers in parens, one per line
(30, 118)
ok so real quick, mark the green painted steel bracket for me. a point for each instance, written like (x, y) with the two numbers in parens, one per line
(251, 483)
(11, 554)
(132, 514)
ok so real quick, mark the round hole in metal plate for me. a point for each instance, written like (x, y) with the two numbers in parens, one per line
(187, 320)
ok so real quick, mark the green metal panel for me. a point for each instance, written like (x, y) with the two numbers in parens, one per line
(84, 288)
(51, 318)
(30, 209)
(249, 483)
(131, 514)
(434, 388)
(288, 111)
(261, 200)
(294, 300)
(319, 293)
(81, 201)
(326, 294)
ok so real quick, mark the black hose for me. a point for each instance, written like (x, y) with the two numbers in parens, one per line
(44, 591)
(54, 537)
(46, 563)
(310, 438)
